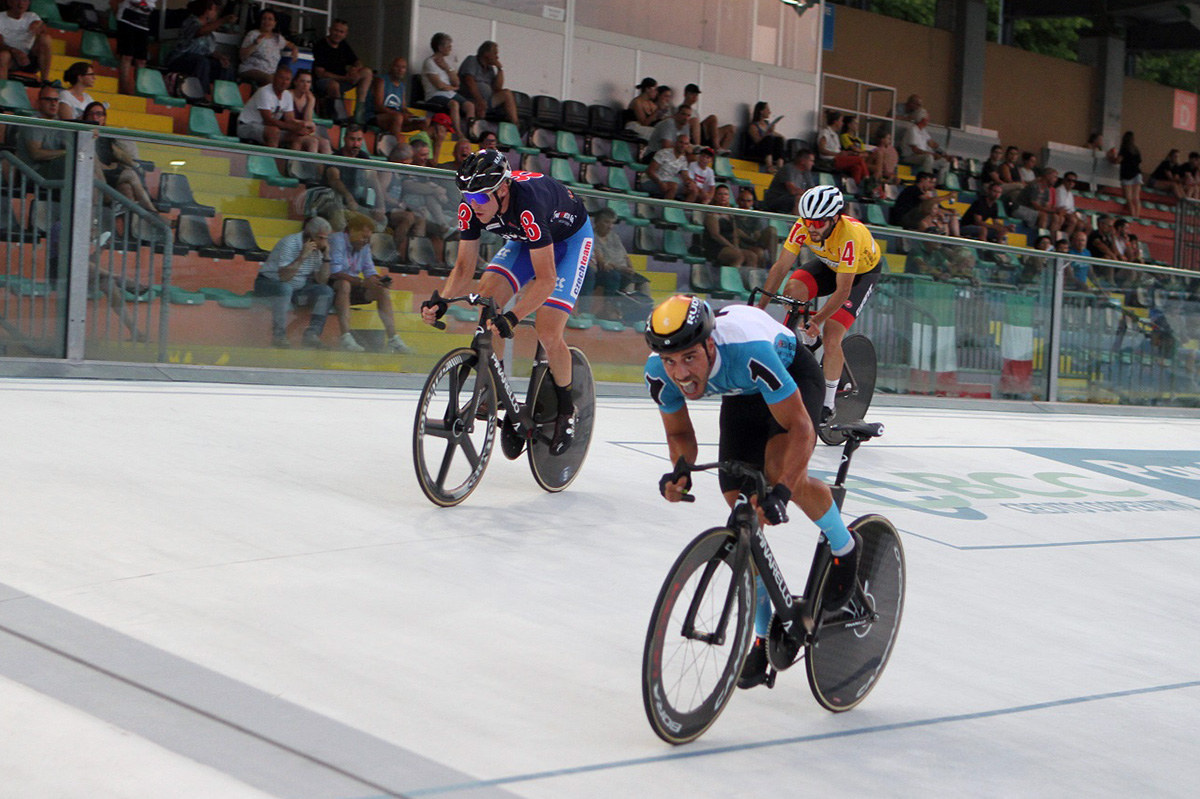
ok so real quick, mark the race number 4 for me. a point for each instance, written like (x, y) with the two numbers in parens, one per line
(848, 254)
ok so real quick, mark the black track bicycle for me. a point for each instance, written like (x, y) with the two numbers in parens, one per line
(459, 412)
(857, 386)
(703, 622)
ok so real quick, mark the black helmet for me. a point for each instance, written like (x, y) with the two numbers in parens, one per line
(483, 171)
(678, 323)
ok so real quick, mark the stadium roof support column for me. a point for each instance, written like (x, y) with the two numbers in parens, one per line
(1106, 53)
(967, 20)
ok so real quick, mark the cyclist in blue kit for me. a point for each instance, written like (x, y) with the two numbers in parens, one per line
(543, 263)
(771, 398)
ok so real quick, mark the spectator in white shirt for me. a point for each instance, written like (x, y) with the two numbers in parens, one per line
(262, 50)
(439, 77)
(702, 175)
(24, 43)
(270, 115)
(921, 152)
(79, 77)
(666, 131)
(668, 171)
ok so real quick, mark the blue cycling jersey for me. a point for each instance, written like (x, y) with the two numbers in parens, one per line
(541, 211)
(753, 355)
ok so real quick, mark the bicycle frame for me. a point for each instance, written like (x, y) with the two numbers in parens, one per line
(481, 343)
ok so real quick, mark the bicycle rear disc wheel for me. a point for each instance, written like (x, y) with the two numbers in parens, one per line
(451, 445)
(556, 472)
(686, 683)
(851, 646)
(856, 389)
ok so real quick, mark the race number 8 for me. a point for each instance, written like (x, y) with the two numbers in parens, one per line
(532, 231)
(464, 216)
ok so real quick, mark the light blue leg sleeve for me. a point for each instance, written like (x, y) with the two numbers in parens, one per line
(834, 528)
(762, 614)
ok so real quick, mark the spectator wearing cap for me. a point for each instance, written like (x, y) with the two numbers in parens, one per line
(482, 77)
(338, 70)
(439, 76)
(702, 175)
(642, 109)
(708, 131)
(921, 152)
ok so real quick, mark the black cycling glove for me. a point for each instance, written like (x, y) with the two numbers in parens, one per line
(774, 506)
(436, 302)
(680, 470)
(505, 324)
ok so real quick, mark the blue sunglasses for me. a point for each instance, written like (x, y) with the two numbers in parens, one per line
(477, 197)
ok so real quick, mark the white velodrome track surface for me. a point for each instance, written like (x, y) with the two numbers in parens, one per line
(225, 591)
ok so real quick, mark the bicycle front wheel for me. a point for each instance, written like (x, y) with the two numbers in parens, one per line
(856, 389)
(690, 665)
(454, 428)
(851, 646)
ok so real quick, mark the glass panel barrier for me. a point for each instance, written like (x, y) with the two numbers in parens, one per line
(35, 187)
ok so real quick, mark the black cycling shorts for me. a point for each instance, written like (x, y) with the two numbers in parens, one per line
(747, 422)
(821, 281)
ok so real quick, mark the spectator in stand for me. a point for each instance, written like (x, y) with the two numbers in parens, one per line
(1077, 274)
(79, 77)
(702, 175)
(757, 239)
(789, 183)
(1027, 171)
(708, 131)
(1064, 203)
(1189, 173)
(917, 208)
(1035, 204)
(304, 106)
(1129, 157)
(1009, 170)
(412, 205)
(462, 149)
(668, 172)
(421, 152)
(1102, 243)
(44, 149)
(663, 107)
(830, 154)
(482, 77)
(262, 50)
(1031, 266)
(669, 129)
(882, 163)
(355, 281)
(990, 171)
(338, 70)
(766, 145)
(923, 153)
(117, 162)
(643, 108)
(488, 141)
(386, 102)
(981, 220)
(611, 279)
(351, 184)
(720, 236)
(297, 273)
(24, 43)
(269, 117)
(910, 109)
(195, 54)
(1120, 239)
(133, 39)
(1095, 143)
(1134, 254)
(439, 76)
(1166, 177)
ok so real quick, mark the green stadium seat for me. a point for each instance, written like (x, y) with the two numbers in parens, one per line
(723, 168)
(264, 168)
(203, 122)
(730, 282)
(227, 95)
(673, 245)
(509, 138)
(149, 83)
(95, 45)
(565, 142)
(560, 170)
(48, 11)
(625, 213)
(677, 217)
(14, 99)
(619, 181)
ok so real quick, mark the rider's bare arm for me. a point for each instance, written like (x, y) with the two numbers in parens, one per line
(681, 442)
(779, 270)
(464, 269)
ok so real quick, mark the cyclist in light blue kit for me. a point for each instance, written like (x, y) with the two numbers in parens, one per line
(771, 397)
(544, 261)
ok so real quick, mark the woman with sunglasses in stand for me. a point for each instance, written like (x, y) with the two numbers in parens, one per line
(846, 269)
(543, 262)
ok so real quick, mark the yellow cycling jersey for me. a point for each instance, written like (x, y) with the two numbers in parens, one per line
(849, 248)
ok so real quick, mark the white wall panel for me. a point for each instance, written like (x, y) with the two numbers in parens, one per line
(603, 73)
(796, 101)
(533, 59)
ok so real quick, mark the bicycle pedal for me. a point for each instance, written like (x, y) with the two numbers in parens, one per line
(769, 682)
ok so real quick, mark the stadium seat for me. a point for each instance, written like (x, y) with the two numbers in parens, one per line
(174, 191)
(626, 214)
(619, 181)
(264, 168)
(48, 11)
(560, 170)
(226, 94)
(524, 108)
(730, 282)
(566, 143)
(673, 245)
(623, 154)
(237, 235)
(150, 84)
(95, 45)
(509, 138)
(574, 116)
(202, 122)
(14, 99)
(674, 217)
(192, 232)
(547, 112)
